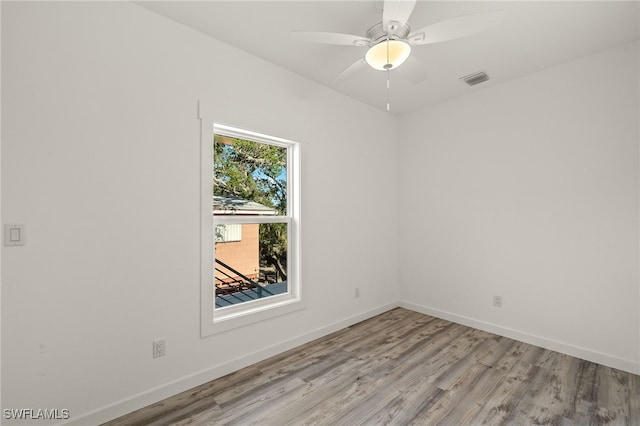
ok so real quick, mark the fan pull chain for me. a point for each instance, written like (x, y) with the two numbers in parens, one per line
(388, 101)
(388, 77)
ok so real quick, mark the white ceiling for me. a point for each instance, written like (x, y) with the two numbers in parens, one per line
(533, 36)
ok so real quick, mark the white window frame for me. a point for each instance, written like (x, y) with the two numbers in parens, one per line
(216, 320)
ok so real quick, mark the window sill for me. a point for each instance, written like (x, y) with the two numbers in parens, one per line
(225, 319)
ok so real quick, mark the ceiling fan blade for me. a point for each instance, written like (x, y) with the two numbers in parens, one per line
(330, 38)
(454, 28)
(413, 70)
(395, 13)
(349, 72)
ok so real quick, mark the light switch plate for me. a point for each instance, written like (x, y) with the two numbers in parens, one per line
(14, 235)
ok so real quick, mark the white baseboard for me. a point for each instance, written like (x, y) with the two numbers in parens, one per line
(159, 393)
(554, 345)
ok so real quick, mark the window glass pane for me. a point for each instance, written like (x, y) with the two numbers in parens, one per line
(253, 267)
(249, 178)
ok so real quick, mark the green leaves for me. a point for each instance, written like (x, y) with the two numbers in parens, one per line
(251, 170)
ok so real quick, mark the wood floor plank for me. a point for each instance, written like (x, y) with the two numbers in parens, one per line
(183, 401)
(500, 407)
(403, 368)
(471, 386)
(460, 403)
(199, 409)
(612, 400)
(319, 391)
(239, 411)
(396, 361)
(634, 398)
(405, 407)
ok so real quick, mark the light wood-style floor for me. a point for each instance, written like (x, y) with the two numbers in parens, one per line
(402, 368)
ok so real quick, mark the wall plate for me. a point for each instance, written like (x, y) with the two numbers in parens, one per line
(14, 235)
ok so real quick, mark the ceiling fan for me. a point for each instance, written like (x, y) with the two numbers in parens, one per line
(389, 42)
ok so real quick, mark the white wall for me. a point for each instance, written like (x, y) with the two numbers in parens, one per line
(529, 190)
(101, 160)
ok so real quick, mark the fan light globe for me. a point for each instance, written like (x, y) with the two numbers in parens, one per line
(388, 54)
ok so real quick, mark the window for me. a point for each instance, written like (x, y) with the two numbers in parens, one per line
(253, 190)
(228, 233)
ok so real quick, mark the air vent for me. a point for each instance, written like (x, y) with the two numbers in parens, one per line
(475, 78)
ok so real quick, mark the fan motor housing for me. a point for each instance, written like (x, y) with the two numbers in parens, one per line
(377, 33)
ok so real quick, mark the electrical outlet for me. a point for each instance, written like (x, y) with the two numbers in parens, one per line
(497, 301)
(159, 348)
(357, 292)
